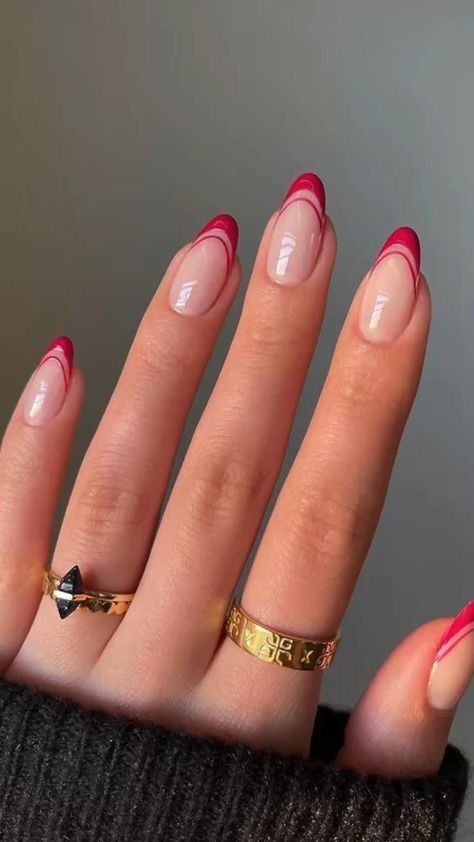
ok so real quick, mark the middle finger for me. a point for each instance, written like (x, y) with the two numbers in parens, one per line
(229, 471)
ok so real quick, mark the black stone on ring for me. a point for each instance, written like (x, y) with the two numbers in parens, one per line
(69, 593)
(69, 585)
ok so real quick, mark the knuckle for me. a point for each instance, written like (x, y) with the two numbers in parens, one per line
(226, 487)
(17, 466)
(328, 528)
(107, 502)
(162, 351)
(267, 337)
(362, 386)
(356, 390)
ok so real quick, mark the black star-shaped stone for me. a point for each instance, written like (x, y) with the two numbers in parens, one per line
(70, 584)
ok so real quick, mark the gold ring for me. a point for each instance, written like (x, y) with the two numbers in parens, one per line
(274, 647)
(69, 594)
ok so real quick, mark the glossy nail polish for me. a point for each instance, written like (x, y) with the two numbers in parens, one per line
(205, 267)
(390, 291)
(294, 242)
(48, 386)
(453, 666)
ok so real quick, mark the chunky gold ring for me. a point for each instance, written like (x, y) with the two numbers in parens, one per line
(69, 593)
(274, 647)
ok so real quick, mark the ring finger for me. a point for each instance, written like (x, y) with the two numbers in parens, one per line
(323, 522)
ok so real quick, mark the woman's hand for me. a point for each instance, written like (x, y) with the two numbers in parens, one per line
(166, 659)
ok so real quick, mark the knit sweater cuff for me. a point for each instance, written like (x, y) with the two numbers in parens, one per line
(85, 776)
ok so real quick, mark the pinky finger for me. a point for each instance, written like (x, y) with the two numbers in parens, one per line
(33, 458)
(401, 724)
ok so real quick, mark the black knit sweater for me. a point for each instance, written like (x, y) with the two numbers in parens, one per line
(71, 775)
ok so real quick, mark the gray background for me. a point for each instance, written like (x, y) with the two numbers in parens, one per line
(125, 125)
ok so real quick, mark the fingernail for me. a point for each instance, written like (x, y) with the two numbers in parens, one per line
(453, 666)
(47, 389)
(294, 243)
(205, 267)
(390, 292)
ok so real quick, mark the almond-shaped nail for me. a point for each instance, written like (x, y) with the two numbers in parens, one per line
(205, 267)
(453, 666)
(48, 386)
(391, 287)
(294, 241)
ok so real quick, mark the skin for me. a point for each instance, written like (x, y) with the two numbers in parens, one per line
(308, 560)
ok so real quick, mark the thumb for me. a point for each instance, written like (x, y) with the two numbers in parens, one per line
(400, 726)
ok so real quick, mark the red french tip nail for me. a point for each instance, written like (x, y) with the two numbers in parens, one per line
(408, 238)
(64, 344)
(309, 181)
(226, 223)
(463, 622)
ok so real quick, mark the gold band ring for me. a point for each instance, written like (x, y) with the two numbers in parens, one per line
(69, 594)
(274, 647)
